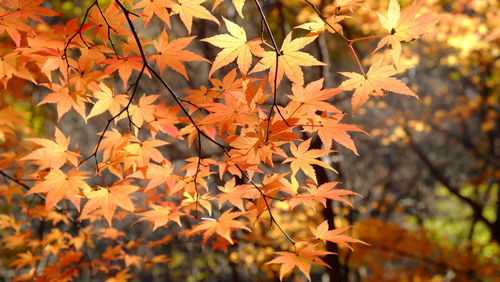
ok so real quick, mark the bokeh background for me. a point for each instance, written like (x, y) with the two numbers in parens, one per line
(428, 169)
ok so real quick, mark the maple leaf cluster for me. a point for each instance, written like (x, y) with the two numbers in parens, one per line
(98, 69)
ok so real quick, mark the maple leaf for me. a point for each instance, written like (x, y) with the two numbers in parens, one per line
(11, 120)
(322, 233)
(221, 226)
(318, 25)
(111, 16)
(312, 98)
(107, 101)
(238, 5)
(201, 96)
(139, 154)
(59, 185)
(303, 159)
(156, 7)
(235, 46)
(172, 54)
(377, 79)
(192, 202)
(30, 9)
(321, 193)
(230, 114)
(160, 216)
(25, 259)
(235, 194)
(403, 26)
(124, 66)
(331, 129)
(165, 120)
(9, 191)
(105, 200)
(301, 259)
(8, 67)
(289, 61)
(189, 9)
(156, 174)
(53, 154)
(228, 85)
(143, 111)
(13, 25)
(65, 100)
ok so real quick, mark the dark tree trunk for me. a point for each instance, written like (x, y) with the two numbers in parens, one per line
(335, 270)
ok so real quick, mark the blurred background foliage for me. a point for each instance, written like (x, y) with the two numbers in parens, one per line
(428, 170)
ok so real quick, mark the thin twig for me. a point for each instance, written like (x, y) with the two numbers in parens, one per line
(275, 86)
(110, 28)
(78, 32)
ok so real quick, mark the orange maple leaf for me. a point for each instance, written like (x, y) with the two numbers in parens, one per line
(59, 185)
(289, 61)
(403, 26)
(234, 46)
(172, 54)
(221, 226)
(30, 9)
(105, 200)
(111, 16)
(303, 159)
(142, 112)
(156, 7)
(124, 66)
(230, 114)
(139, 154)
(107, 101)
(320, 194)
(25, 259)
(53, 154)
(189, 9)
(156, 174)
(330, 129)
(322, 233)
(301, 259)
(65, 99)
(312, 98)
(378, 78)
(318, 25)
(160, 216)
(13, 25)
(235, 194)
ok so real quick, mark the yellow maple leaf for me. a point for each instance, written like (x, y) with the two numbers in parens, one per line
(235, 46)
(189, 9)
(107, 101)
(377, 79)
(303, 159)
(289, 61)
(403, 26)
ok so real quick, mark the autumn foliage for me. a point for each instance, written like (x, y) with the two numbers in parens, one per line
(258, 128)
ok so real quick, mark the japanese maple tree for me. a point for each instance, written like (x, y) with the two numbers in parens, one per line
(249, 114)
